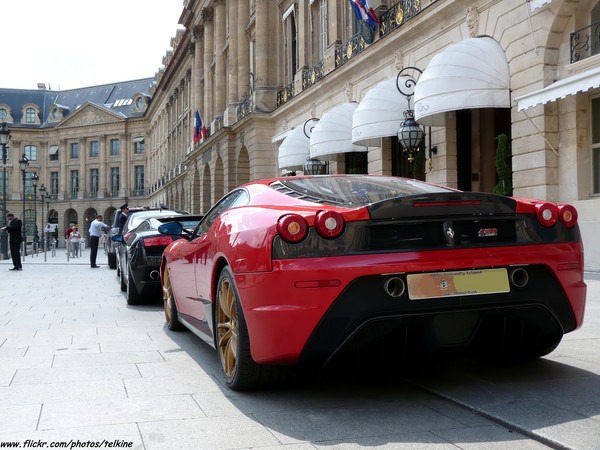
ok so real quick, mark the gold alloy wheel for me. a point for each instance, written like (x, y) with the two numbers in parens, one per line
(168, 298)
(227, 327)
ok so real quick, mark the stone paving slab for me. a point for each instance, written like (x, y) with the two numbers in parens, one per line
(78, 363)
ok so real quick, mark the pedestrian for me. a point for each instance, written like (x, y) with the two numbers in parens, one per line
(95, 231)
(74, 241)
(68, 231)
(123, 217)
(14, 230)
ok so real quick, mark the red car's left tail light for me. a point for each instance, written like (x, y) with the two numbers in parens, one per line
(567, 215)
(292, 227)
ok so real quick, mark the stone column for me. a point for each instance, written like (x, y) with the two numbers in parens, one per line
(264, 94)
(103, 167)
(207, 20)
(220, 63)
(198, 35)
(82, 172)
(63, 186)
(243, 49)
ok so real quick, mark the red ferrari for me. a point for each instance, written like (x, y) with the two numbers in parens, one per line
(300, 271)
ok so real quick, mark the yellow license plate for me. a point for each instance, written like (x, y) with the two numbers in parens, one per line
(454, 284)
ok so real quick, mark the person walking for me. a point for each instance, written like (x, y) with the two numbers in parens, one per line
(14, 230)
(95, 232)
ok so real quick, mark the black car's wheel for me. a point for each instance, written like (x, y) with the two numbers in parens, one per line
(133, 297)
(233, 343)
(112, 260)
(171, 320)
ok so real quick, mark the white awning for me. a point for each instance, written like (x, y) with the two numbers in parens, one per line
(53, 150)
(379, 114)
(581, 82)
(138, 139)
(294, 150)
(469, 74)
(333, 133)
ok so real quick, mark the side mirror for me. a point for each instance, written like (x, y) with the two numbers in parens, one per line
(117, 238)
(171, 228)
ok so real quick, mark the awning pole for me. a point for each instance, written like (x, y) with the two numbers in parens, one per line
(541, 133)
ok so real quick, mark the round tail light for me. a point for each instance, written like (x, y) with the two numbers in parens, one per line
(292, 227)
(567, 215)
(329, 224)
(547, 213)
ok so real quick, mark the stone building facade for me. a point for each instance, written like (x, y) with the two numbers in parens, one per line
(277, 82)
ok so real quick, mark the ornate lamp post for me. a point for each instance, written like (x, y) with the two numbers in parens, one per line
(42, 192)
(23, 164)
(4, 140)
(34, 180)
(47, 219)
(410, 134)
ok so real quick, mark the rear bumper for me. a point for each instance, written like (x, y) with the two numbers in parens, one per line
(306, 310)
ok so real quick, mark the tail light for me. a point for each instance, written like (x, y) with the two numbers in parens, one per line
(547, 213)
(329, 224)
(126, 237)
(157, 240)
(567, 215)
(292, 227)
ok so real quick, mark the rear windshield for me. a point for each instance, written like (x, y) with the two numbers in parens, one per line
(353, 190)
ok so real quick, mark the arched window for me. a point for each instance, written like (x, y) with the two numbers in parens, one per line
(30, 115)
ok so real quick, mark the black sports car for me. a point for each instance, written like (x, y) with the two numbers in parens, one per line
(140, 253)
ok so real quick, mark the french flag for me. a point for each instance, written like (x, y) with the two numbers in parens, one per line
(200, 130)
(364, 11)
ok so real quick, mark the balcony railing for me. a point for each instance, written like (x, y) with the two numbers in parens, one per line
(312, 75)
(585, 42)
(284, 95)
(244, 109)
(397, 15)
(349, 50)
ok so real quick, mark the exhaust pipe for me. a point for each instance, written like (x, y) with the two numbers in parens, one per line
(394, 287)
(519, 277)
(154, 275)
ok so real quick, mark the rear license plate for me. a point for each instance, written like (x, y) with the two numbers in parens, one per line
(454, 284)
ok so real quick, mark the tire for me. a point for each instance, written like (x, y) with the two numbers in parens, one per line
(112, 260)
(233, 342)
(133, 297)
(122, 279)
(171, 320)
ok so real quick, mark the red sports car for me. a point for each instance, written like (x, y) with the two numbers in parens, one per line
(305, 270)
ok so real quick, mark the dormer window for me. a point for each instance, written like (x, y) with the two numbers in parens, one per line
(30, 114)
(140, 102)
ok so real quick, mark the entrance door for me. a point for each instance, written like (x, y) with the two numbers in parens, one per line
(476, 139)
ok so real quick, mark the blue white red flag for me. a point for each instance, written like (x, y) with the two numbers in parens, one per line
(200, 130)
(364, 12)
(197, 126)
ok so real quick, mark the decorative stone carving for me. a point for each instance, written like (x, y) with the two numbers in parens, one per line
(473, 21)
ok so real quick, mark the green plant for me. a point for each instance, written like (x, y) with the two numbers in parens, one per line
(504, 186)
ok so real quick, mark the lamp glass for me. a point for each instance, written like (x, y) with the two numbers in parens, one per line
(23, 163)
(313, 166)
(410, 134)
(4, 134)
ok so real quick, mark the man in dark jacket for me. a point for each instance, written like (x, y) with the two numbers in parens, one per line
(14, 230)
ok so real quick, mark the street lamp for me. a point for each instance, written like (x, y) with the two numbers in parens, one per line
(23, 164)
(4, 140)
(410, 134)
(47, 219)
(34, 180)
(313, 166)
(42, 192)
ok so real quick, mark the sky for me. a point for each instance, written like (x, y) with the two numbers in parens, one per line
(68, 44)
